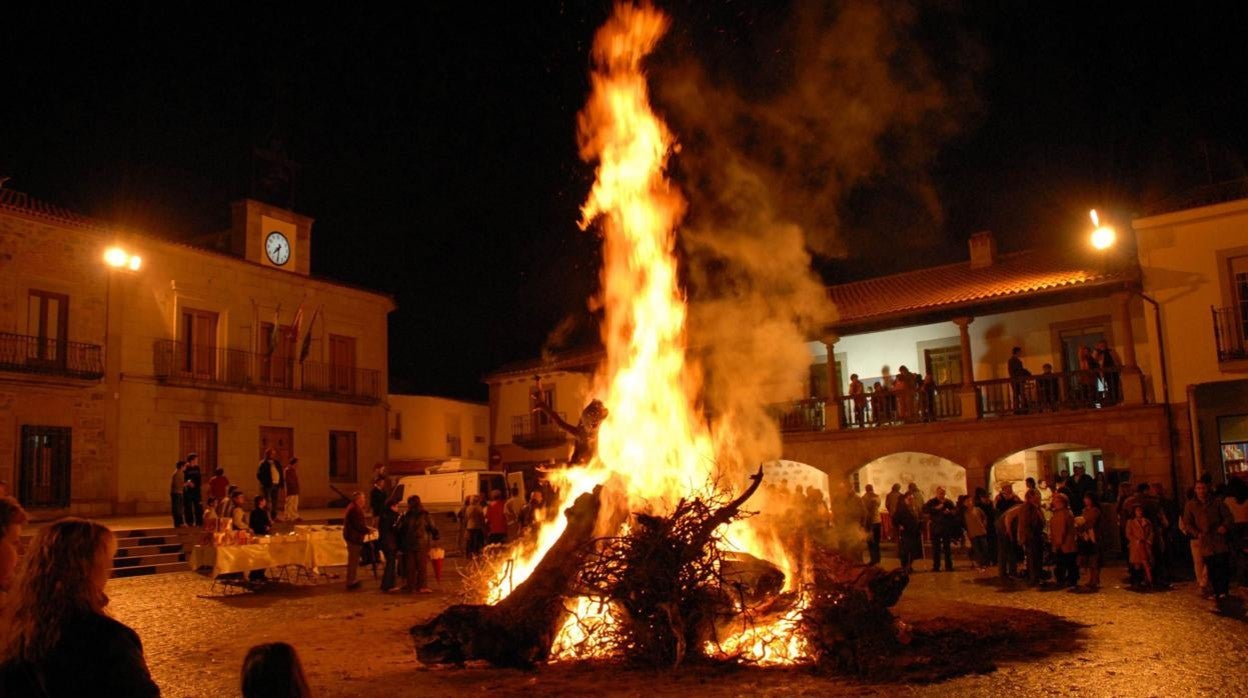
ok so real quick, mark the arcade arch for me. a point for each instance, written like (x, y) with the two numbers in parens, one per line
(925, 470)
(1046, 461)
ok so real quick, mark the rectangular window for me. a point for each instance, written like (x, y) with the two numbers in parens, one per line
(818, 383)
(454, 446)
(46, 454)
(200, 438)
(342, 456)
(47, 320)
(197, 333)
(342, 363)
(478, 430)
(548, 397)
(1075, 338)
(1239, 286)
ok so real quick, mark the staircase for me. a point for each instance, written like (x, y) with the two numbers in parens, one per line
(153, 551)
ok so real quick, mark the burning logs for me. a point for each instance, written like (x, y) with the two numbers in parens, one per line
(847, 622)
(520, 629)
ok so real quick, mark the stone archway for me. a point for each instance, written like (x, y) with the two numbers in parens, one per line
(926, 470)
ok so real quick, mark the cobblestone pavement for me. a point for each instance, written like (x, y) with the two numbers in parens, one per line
(356, 644)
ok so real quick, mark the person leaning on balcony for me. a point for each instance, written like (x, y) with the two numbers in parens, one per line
(1018, 377)
(177, 490)
(858, 395)
(1087, 374)
(1047, 388)
(1111, 381)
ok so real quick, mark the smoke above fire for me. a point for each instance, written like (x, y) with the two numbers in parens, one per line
(767, 160)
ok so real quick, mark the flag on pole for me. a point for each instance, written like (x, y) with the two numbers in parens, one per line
(307, 338)
(296, 323)
(273, 332)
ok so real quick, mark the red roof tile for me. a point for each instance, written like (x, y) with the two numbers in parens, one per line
(1013, 275)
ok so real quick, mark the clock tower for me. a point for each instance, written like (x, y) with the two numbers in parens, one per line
(271, 236)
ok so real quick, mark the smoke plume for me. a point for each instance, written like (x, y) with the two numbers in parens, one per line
(844, 98)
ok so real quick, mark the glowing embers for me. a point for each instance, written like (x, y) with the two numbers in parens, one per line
(588, 632)
(781, 641)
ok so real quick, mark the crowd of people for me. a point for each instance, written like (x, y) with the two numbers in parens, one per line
(493, 520)
(277, 485)
(1059, 535)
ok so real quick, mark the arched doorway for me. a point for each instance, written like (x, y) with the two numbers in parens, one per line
(1046, 462)
(791, 476)
(923, 469)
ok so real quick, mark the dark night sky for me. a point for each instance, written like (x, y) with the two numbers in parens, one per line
(437, 150)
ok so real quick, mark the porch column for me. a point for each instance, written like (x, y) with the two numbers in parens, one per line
(968, 397)
(834, 415)
(1132, 376)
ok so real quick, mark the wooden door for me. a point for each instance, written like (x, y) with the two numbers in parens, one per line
(280, 439)
(277, 366)
(342, 363)
(199, 343)
(48, 323)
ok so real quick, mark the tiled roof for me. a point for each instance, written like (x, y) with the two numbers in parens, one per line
(20, 202)
(1015, 275)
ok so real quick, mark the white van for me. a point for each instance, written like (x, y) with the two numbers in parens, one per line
(443, 488)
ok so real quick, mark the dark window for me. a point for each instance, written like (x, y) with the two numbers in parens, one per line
(48, 321)
(342, 456)
(819, 379)
(944, 365)
(46, 453)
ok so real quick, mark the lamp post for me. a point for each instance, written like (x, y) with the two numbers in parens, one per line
(115, 258)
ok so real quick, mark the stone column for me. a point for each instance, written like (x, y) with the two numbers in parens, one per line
(834, 415)
(967, 395)
(1132, 376)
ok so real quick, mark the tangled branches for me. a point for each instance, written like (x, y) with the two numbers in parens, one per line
(663, 580)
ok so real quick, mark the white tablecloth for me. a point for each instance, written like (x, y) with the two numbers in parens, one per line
(316, 550)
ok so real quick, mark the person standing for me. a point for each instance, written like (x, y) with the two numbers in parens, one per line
(858, 395)
(193, 498)
(269, 475)
(943, 517)
(1089, 545)
(1007, 508)
(12, 518)
(515, 503)
(496, 519)
(218, 485)
(1018, 377)
(291, 478)
(1208, 523)
(388, 538)
(976, 523)
(871, 516)
(1030, 535)
(416, 535)
(891, 501)
(354, 529)
(177, 491)
(378, 496)
(474, 526)
(1062, 538)
(531, 514)
(909, 534)
(1140, 535)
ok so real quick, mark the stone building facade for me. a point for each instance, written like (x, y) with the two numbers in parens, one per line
(111, 372)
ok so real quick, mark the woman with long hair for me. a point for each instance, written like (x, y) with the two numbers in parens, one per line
(56, 637)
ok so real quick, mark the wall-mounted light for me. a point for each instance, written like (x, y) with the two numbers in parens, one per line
(117, 258)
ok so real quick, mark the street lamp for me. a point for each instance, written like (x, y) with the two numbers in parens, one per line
(117, 258)
(1103, 236)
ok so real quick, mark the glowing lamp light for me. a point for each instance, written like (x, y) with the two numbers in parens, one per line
(1103, 237)
(116, 257)
(135, 262)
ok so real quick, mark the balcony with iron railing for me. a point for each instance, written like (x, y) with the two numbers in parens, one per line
(1229, 325)
(50, 357)
(178, 363)
(1003, 397)
(535, 431)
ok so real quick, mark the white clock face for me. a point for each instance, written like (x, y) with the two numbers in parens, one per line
(277, 247)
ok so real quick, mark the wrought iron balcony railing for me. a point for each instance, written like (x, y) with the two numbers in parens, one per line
(187, 364)
(536, 431)
(54, 357)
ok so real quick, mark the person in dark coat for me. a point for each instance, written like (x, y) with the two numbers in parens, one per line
(943, 517)
(388, 538)
(354, 529)
(416, 536)
(261, 522)
(274, 671)
(193, 498)
(378, 496)
(269, 475)
(909, 534)
(59, 640)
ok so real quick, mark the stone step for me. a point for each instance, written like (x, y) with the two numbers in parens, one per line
(142, 570)
(148, 560)
(142, 550)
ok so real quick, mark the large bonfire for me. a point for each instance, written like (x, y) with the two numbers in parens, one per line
(654, 558)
